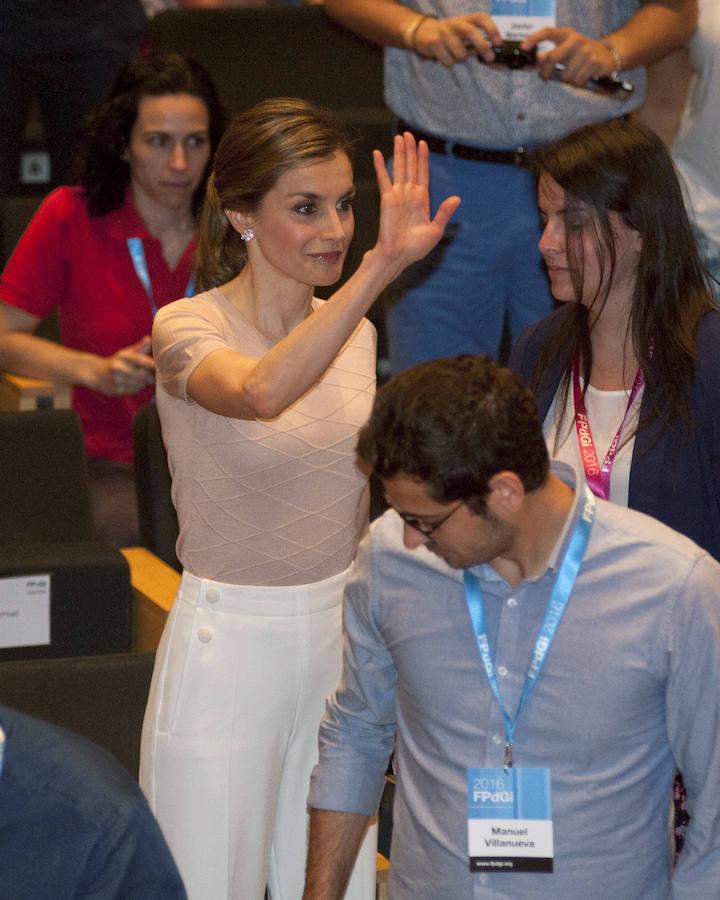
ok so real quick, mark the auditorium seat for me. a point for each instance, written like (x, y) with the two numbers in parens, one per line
(100, 697)
(15, 213)
(256, 53)
(46, 495)
(156, 513)
(61, 593)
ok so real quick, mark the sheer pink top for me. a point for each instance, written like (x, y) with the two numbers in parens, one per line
(261, 502)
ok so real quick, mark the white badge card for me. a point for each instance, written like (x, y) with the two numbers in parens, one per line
(516, 19)
(510, 820)
(25, 611)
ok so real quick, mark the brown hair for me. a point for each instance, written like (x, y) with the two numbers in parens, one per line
(258, 147)
(453, 424)
(624, 167)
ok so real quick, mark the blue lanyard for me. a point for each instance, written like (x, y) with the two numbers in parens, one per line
(137, 255)
(554, 610)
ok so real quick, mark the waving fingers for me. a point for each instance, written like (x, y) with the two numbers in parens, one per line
(411, 158)
(399, 162)
(381, 172)
(446, 211)
(410, 163)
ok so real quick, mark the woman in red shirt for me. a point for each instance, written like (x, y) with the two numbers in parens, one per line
(106, 255)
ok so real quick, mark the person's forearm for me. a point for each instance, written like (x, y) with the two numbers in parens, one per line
(335, 839)
(231, 384)
(35, 357)
(667, 92)
(298, 361)
(382, 21)
(655, 30)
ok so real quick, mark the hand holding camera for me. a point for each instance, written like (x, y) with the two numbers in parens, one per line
(575, 58)
(454, 39)
(515, 55)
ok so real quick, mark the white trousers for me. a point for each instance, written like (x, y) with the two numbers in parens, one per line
(230, 735)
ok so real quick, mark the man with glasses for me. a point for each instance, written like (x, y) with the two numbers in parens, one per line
(541, 661)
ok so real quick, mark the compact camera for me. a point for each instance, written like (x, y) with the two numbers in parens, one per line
(511, 55)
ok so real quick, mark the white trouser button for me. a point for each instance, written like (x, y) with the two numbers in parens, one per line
(205, 635)
(212, 595)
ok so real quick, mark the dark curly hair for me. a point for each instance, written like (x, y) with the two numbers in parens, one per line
(100, 168)
(453, 424)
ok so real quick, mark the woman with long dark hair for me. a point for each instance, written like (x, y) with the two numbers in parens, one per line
(107, 254)
(261, 390)
(625, 371)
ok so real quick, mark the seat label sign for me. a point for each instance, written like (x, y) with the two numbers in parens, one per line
(25, 611)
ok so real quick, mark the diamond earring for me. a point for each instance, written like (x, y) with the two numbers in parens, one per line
(247, 234)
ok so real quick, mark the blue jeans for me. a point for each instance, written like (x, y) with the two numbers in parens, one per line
(487, 265)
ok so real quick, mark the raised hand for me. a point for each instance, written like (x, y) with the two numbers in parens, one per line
(407, 233)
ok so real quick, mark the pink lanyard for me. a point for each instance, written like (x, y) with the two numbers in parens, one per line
(596, 475)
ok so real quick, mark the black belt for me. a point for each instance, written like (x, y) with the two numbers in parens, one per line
(519, 157)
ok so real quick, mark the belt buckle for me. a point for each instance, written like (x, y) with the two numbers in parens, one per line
(520, 157)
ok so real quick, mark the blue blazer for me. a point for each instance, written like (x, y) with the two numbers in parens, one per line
(674, 475)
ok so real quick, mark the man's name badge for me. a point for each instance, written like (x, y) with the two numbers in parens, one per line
(510, 820)
(516, 19)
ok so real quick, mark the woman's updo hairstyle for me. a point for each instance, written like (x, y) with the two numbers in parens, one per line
(258, 147)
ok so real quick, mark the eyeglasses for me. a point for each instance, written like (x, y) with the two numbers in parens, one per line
(423, 527)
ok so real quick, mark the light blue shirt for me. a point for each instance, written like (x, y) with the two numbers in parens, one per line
(630, 688)
(501, 108)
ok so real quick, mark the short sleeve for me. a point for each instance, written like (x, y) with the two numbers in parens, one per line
(183, 334)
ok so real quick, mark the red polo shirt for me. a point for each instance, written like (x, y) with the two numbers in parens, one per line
(82, 266)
